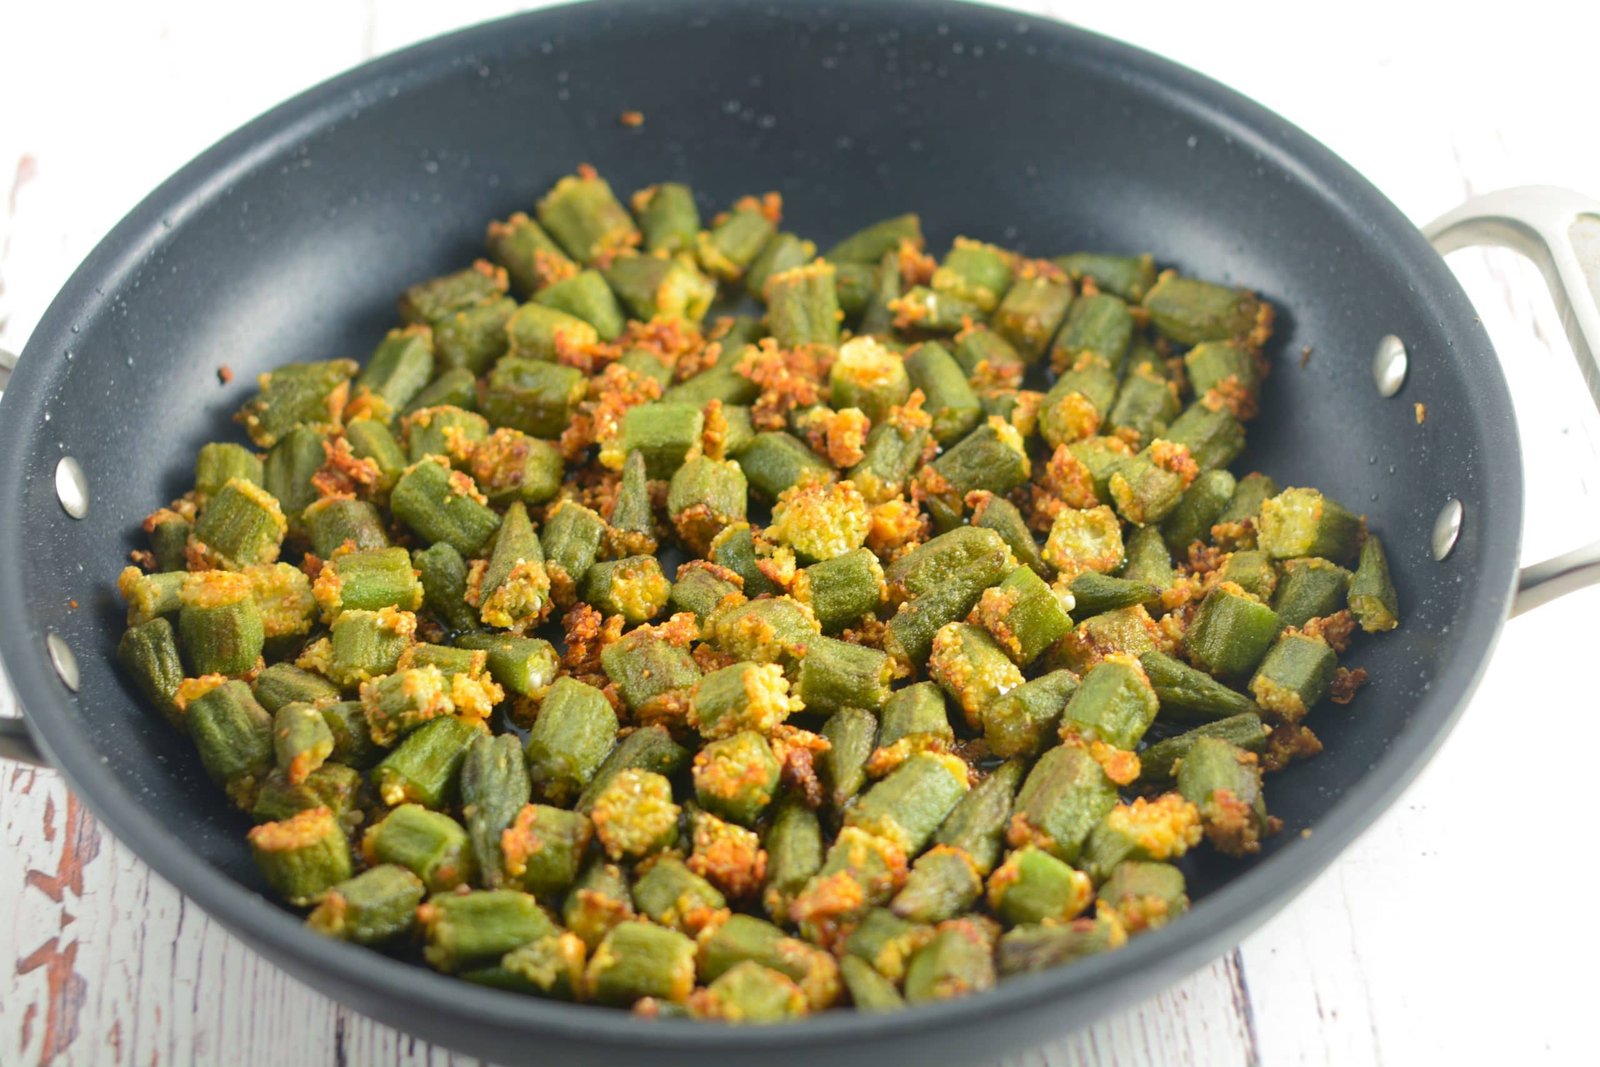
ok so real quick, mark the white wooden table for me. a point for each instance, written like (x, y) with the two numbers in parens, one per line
(1456, 930)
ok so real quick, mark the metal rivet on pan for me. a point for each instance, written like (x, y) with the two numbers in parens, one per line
(62, 659)
(1446, 528)
(1389, 365)
(72, 488)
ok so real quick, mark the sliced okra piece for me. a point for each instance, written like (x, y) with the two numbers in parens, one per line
(1309, 588)
(674, 896)
(1236, 526)
(1149, 487)
(1146, 404)
(219, 624)
(525, 666)
(775, 461)
(586, 296)
(852, 735)
(1252, 571)
(1024, 615)
(665, 434)
(737, 938)
(301, 741)
(367, 581)
(149, 654)
(842, 590)
(1129, 277)
(430, 844)
(1226, 373)
(648, 748)
(543, 849)
(632, 526)
(869, 376)
(438, 504)
(794, 853)
(770, 630)
(242, 525)
(1032, 310)
(1114, 704)
(571, 537)
(1230, 633)
(975, 272)
(871, 244)
(1024, 720)
(451, 661)
(803, 306)
(302, 856)
(743, 696)
(398, 703)
(729, 856)
(513, 590)
(1372, 598)
(971, 557)
(720, 382)
(640, 959)
(335, 522)
(1100, 325)
(1063, 797)
(352, 734)
(582, 213)
(661, 287)
(494, 788)
(551, 966)
(372, 441)
(455, 388)
(575, 731)
(1028, 949)
(734, 549)
(599, 900)
(1076, 406)
(861, 870)
(446, 431)
(473, 337)
(892, 453)
(297, 394)
(702, 587)
(1032, 886)
(913, 719)
(1159, 763)
(1186, 694)
(836, 674)
(425, 767)
(869, 991)
(1224, 782)
(704, 496)
(530, 257)
(377, 906)
(653, 675)
(1148, 562)
(996, 513)
(957, 962)
(233, 735)
(1160, 829)
(634, 815)
(985, 355)
(1295, 674)
(288, 473)
(443, 574)
(948, 396)
(1198, 509)
(220, 461)
(924, 310)
(169, 540)
(780, 253)
(976, 826)
(1094, 593)
(885, 942)
(1098, 458)
(467, 929)
(1213, 436)
(537, 333)
(972, 667)
(1144, 896)
(332, 785)
(908, 805)
(736, 777)
(1086, 539)
(749, 993)
(736, 237)
(1190, 311)
(668, 217)
(509, 466)
(943, 884)
(435, 298)
(532, 395)
(1130, 631)
(992, 457)
(1304, 522)
(877, 317)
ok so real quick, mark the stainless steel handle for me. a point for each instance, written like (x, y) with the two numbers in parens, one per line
(1559, 230)
(16, 743)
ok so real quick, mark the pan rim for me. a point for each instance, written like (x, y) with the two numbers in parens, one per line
(1241, 905)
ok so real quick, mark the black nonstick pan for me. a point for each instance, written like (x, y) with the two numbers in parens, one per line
(290, 239)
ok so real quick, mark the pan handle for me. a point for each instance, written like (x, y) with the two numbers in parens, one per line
(1559, 230)
(15, 741)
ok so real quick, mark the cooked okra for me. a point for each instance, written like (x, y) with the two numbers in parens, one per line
(965, 648)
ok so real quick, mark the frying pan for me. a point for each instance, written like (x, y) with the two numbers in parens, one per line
(289, 240)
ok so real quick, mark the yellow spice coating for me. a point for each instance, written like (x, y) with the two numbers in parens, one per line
(634, 815)
(821, 520)
(284, 599)
(1086, 539)
(1162, 829)
(521, 601)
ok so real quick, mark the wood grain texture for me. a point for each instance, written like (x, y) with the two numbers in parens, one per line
(1415, 947)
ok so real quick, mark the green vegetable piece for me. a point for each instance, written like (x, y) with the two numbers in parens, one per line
(1159, 762)
(1189, 312)
(599, 900)
(1129, 277)
(494, 787)
(451, 432)
(571, 537)
(1224, 782)
(1372, 598)
(438, 504)
(701, 588)
(1251, 571)
(871, 244)
(301, 856)
(1031, 312)
(1028, 949)
(835, 674)
(543, 849)
(1230, 633)
(148, 652)
(948, 396)
(532, 260)
(803, 306)
(843, 590)
(736, 777)
(233, 735)
(1310, 588)
(957, 962)
(774, 461)
(977, 824)
(1201, 505)
(575, 731)
(704, 496)
(1303, 522)
(463, 929)
(668, 217)
(426, 766)
(942, 885)
(242, 525)
(1032, 886)
(648, 748)
(1023, 614)
(974, 272)
(586, 296)
(993, 458)
(1060, 802)
(1114, 704)
(581, 212)
(336, 521)
(794, 853)
(972, 667)
(640, 959)
(1146, 404)
(220, 462)
(551, 966)
(654, 287)
(473, 337)
(1226, 373)
(1024, 720)
(1296, 673)
(1189, 695)
(665, 434)
(671, 894)
(367, 581)
(1145, 896)
(653, 675)
(219, 625)
(372, 440)
(533, 396)
(511, 467)
(870, 991)
(456, 388)
(1213, 437)
(301, 741)
(735, 238)
(743, 696)
(869, 376)
(374, 908)
(906, 807)
(429, 844)
(1099, 325)
(1148, 562)
(297, 394)
(852, 737)
(1095, 593)
(443, 574)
